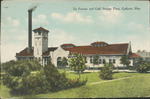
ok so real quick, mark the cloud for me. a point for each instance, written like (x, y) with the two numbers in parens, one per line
(8, 51)
(138, 42)
(111, 16)
(14, 22)
(40, 19)
(133, 26)
(72, 17)
(58, 37)
(12, 44)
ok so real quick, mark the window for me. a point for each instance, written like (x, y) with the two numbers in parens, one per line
(35, 43)
(114, 61)
(110, 60)
(35, 58)
(100, 61)
(91, 59)
(45, 61)
(37, 51)
(104, 61)
(59, 61)
(39, 33)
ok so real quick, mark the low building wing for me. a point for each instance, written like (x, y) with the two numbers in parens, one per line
(134, 55)
(24, 53)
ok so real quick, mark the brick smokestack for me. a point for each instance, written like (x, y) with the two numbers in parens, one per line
(30, 28)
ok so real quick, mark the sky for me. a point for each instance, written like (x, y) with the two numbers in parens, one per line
(77, 22)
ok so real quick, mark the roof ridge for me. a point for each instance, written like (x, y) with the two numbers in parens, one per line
(119, 44)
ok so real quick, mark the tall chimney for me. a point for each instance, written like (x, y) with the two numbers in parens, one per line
(30, 28)
(29, 31)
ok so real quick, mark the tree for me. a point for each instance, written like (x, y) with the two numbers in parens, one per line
(125, 60)
(14, 74)
(144, 51)
(106, 71)
(139, 51)
(64, 62)
(78, 63)
(142, 66)
(5, 66)
(95, 60)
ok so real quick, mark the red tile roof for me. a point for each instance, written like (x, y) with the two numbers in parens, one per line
(25, 52)
(49, 50)
(133, 55)
(68, 44)
(98, 43)
(40, 29)
(87, 50)
(109, 49)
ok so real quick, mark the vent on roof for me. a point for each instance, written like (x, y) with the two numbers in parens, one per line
(97, 44)
(67, 45)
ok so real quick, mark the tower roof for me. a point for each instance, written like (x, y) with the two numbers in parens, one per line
(98, 43)
(40, 29)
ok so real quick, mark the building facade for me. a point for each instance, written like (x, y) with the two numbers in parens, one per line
(107, 52)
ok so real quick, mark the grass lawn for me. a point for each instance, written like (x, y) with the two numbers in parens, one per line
(136, 86)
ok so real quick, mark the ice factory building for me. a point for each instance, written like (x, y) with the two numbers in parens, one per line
(40, 50)
(107, 52)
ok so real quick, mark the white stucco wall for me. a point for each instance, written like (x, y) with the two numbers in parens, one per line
(40, 44)
(59, 52)
(62, 53)
(44, 42)
(117, 59)
(37, 47)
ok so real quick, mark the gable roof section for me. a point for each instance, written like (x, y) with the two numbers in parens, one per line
(109, 49)
(49, 50)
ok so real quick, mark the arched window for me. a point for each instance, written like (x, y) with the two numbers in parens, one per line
(58, 61)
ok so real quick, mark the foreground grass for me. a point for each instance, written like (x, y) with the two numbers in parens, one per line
(136, 86)
(94, 77)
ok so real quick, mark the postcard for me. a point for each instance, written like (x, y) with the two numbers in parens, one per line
(75, 49)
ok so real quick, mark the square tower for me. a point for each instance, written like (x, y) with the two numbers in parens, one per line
(40, 41)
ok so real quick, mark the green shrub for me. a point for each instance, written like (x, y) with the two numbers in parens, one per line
(21, 81)
(142, 66)
(59, 81)
(35, 84)
(10, 66)
(106, 71)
